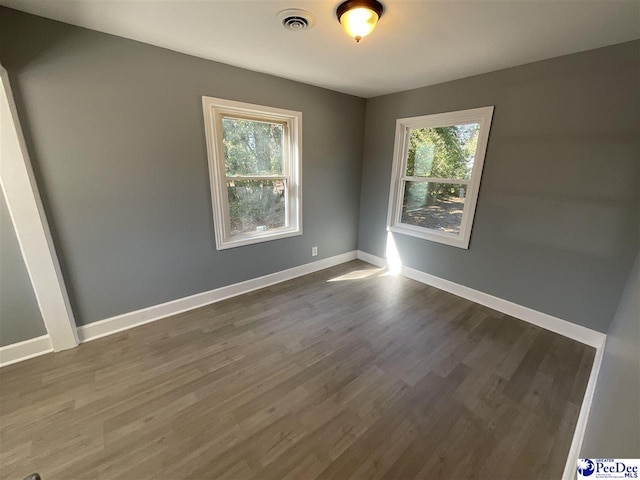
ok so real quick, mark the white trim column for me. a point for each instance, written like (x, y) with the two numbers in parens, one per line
(25, 208)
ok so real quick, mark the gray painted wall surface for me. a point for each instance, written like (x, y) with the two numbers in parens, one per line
(613, 427)
(115, 131)
(556, 226)
(20, 317)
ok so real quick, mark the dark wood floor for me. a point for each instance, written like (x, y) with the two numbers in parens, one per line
(345, 373)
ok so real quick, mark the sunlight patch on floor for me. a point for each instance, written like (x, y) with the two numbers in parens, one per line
(357, 275)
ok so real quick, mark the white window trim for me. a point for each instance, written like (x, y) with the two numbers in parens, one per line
(482, 116)
(214, 109)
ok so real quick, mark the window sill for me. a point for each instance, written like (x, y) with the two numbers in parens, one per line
(431, 235)
(248, 239)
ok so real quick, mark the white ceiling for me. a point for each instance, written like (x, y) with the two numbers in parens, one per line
(416, 43)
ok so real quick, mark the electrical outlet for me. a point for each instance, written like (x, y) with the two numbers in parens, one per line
(314, 251)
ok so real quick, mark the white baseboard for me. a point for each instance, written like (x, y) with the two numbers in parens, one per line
(128, 320)
(577, 332)
(17, 352)
(570, 468)
(372, 259)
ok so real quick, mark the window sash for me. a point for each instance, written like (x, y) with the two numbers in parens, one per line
(286, 139)
(457, 181)
(416, 228)
(256, 177)
(254, 118)
(287, 205)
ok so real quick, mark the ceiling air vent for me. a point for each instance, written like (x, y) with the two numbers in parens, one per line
(296, 19)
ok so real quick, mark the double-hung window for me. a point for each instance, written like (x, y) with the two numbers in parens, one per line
(435, 180)
(255, 170)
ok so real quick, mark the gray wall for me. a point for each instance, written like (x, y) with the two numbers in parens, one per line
(20, 317)
(115, 131)
(556, 226)
(612, 429)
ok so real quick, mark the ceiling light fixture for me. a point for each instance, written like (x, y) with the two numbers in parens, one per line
(359, 17)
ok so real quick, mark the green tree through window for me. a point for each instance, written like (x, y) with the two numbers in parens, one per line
(442, 152)
(252, 147)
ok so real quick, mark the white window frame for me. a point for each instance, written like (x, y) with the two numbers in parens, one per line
(483, 117)
(214, 109)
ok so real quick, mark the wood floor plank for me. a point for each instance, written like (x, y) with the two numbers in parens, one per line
(344, 373)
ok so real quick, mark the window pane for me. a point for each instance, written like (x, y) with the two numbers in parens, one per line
(256, 205)
(442, 152)
(252, 147)
(437, 206)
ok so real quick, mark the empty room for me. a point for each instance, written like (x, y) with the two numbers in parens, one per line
(319, 239)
